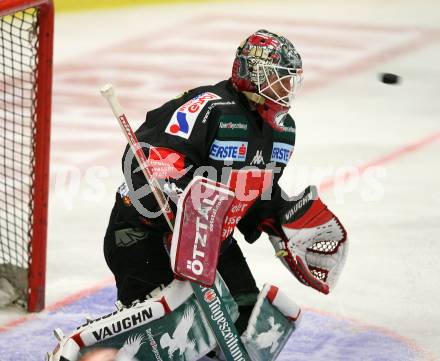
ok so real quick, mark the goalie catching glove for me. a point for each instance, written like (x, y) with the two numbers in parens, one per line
(310, 240)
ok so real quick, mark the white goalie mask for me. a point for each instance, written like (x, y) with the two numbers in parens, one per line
(278, 83)
(268, 70)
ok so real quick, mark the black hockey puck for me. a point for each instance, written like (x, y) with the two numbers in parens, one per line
(389, 78)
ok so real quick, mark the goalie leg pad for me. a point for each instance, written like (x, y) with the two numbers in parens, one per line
(168, 326)
(271, 324)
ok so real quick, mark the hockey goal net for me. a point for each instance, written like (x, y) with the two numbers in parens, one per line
(26, 38)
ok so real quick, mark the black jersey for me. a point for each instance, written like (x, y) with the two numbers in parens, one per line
(209, 131)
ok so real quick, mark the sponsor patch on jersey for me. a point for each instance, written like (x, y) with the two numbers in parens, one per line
(129, 236)
(281, 152)
(289, 129)
(232, 126)
(288, 132)
(228, 150)
(183, 120)
(123, 191)
(166, 163)
(213, 105)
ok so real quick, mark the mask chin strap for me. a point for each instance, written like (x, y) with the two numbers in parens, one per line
(268, 113)
(254, 97)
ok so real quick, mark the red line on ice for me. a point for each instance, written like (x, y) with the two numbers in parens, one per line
(394, 155)
(59, 304)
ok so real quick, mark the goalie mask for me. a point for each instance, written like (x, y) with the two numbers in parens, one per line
(268, 70)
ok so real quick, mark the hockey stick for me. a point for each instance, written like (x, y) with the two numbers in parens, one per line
(108, 93)
(222, 325)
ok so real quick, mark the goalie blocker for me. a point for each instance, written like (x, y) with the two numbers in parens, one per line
(171, 326)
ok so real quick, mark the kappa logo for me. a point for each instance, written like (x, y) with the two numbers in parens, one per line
(258, 158)
(183, 120)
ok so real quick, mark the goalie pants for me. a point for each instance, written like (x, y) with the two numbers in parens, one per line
(140, 263)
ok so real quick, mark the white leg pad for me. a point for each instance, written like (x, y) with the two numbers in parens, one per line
(271, 324)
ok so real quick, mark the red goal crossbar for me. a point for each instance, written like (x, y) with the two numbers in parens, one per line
(40, 145)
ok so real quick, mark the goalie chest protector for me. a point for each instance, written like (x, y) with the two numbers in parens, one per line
(214, 129)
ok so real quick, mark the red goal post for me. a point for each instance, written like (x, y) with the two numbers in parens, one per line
(26, 49)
